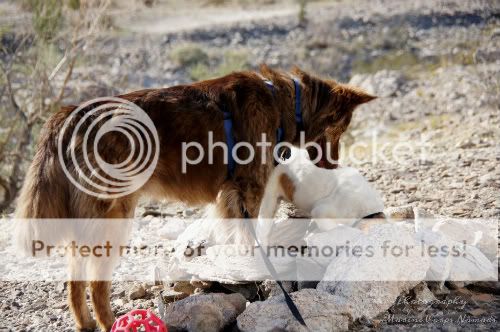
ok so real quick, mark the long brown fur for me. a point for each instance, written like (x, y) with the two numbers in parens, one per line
(187, 113)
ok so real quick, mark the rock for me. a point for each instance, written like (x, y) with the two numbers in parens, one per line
(307, 284)
(270, 288)
(478, 311)
(148, 285)
(479, 233)
(170, 295)
(288, 231)
(438, 288)
(38, 305)
(333, 238)
(455, 284)
(156, 288)
(422, 213)
(367, 299)
(187, 212)
(471, 264)
(118, 302)
(200, 291)
(483, 297)
(248, 290)
(118, 293)
(461, 262)
(400, 212)
(423, 294)
(487, 179)
(319, 309)
(204, 312)
(311, 268)
(423, 219)
(196, 232)
(492, 287)
(149, 212)
(137, 292)
(172, 229)
(60, 305)
(61, 287)
(440, 266)
(200, 283)
(465, 144)
(369, 284)
(205, 318)
(384, 83)
(184, 287)
(235, 264)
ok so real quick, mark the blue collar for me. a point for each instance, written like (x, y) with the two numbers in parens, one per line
(228, 124)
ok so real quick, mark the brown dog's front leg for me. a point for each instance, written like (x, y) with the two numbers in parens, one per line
(100, 295)
(78, 304)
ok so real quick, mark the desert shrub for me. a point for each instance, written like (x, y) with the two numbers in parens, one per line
(215, 2)
(47, 17)
(410, 64)
(189, 55)
(200, 71)
(302, 11)
(30, 95)
(231, 61)
(74, 4)
(391, 60)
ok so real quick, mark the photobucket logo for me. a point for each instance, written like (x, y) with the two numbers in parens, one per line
(261, 145)
(125, 131)
(398, 151)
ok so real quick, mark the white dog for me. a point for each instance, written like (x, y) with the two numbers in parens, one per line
(341, 193)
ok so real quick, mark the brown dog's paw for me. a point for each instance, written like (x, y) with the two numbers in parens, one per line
(89, 326)
(106, 326)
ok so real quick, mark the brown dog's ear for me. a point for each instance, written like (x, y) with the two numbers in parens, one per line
(296, 71)
(354, 95)
(264, 69)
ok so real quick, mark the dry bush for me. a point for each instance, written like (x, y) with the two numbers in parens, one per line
(35, 68)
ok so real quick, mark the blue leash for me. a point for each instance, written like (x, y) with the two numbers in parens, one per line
(288, 300)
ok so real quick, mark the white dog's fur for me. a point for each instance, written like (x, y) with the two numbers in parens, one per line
(341, 193)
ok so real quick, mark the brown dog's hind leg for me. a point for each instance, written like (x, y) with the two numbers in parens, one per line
(77, 298)
(100, 289)
(100, 292)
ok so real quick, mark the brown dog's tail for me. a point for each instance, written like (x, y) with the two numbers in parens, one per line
(45, 192)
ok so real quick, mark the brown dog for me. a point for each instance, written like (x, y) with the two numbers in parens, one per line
(187, 113)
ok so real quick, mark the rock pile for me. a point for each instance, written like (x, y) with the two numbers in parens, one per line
(344, 295)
